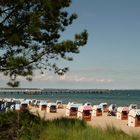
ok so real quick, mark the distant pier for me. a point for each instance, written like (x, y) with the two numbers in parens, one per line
(47, 91)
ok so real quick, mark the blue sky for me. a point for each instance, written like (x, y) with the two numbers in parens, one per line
(111, 57)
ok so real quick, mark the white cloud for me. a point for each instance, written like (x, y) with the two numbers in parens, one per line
(78, 78)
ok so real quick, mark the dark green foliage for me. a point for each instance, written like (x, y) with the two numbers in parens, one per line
(8, 129)
(30, 32)
(31, 126)
(14, 125)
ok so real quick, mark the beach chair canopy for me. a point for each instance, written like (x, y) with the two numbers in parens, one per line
(58, 101)
(125, 109)
(132, 106)
(69, 103)
(8, 99)
(17, 101)
(87, 107)
(103, 104)
(21, 100)
(87, 104)
(43, 103)
(95, 107)
(121, 109)
(138, 113)
(51, 104)
(75, 105)
(24, 102)
(112, 107)
(28, 100)
(134, 112)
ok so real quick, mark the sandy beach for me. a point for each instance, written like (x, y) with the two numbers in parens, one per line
(101, 121)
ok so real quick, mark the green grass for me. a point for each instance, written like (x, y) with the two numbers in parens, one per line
(77, 131)
(25, 126)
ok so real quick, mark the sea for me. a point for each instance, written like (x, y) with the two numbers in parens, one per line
(118, 97)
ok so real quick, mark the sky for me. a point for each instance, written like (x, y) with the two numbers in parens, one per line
(111, 58)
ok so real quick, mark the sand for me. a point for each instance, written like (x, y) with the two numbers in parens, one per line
(101, 121)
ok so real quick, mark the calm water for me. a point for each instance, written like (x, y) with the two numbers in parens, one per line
(119, 97)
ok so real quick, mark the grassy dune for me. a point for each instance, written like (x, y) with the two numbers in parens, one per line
(25, 126)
